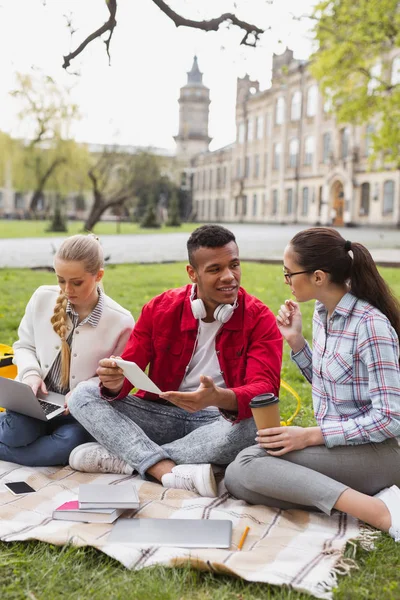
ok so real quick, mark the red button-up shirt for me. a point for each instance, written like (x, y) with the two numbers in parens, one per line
(248, 346)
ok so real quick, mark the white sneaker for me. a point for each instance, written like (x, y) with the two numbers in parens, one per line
(194, 478)
(391, 497)
(94, 458)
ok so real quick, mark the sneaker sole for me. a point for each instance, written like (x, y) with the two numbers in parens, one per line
(206, 482)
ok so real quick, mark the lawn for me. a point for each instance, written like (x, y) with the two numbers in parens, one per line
(28, 229)
(40, 571)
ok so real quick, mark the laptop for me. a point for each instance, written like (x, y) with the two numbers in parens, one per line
(183, 533)
(20, 398)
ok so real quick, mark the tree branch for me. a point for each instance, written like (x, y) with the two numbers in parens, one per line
(252, 31)
(108, 26)
(250, 38)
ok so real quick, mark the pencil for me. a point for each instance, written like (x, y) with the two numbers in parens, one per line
(243, 538)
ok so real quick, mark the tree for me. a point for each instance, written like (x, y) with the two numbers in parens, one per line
(150, 220)
(355, 68)
(50, 158)
(58, 222)
(118, 178)
(174, 219)
(251, 36)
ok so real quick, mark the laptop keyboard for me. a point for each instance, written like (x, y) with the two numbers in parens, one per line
(47, 407)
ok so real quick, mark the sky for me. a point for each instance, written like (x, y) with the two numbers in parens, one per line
(135, 100)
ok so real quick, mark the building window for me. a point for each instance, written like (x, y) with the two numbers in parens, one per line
(293, 152)
(247, 166)
(263, 205)
(375, 75)
(395, 78)
(219, 208)
(267, 125)
(369, 144)
(289, 201)
(280, 111)
(277, 155)
(19, 201)
(254, 205)
(309, 150)
(241, 132)
(250, 132)
(210, 180)
(257, 166)
(295, 111)
(265, 164)
(312, 101)
(326, 147)
(218, 177)
(224, 177)
(244, 206)
(388, 197)
(260, 127)
(238, 168)
(275, 200)
(344, 142)
(364, 205)
(304, 201)
(328, 101)
(237, 201)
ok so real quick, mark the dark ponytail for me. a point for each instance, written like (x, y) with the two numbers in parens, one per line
(367, 283)
(325, 249)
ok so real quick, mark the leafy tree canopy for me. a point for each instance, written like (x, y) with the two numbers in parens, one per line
(357, 68)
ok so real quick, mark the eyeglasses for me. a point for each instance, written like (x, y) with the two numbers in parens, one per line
(288, 276)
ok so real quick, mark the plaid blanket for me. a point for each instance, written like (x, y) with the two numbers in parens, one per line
(295, 548)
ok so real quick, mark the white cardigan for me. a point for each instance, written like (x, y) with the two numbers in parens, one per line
(38, 344)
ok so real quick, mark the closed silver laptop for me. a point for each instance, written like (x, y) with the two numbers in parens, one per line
(183, 533)
(20, 398)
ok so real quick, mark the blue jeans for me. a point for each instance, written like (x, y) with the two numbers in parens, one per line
(143, 433)
(28, 441)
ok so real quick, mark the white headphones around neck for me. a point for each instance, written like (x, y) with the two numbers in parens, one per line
(222, 313)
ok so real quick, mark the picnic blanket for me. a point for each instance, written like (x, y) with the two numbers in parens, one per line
(297, 548)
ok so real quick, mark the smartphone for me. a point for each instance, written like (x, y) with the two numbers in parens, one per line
(19, 487)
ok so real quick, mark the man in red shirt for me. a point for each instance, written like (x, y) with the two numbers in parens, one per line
(212, 347)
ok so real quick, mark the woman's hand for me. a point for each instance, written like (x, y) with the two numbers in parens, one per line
(290, 324)
(67, 396)
(278, 441)
(36, 384)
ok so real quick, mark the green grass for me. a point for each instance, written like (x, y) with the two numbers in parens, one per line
(44, 572)
(28, 229)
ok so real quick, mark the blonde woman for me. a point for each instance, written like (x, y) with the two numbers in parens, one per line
(64, 333)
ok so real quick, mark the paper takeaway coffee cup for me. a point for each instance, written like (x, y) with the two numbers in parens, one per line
(265, 409)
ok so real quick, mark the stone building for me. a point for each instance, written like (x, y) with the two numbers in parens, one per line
(292, 163)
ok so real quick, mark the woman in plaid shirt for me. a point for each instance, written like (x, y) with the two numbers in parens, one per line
(349, 460)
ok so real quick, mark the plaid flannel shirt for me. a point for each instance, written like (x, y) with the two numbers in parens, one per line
(354, 371)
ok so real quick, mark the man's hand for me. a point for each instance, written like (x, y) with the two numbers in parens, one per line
(278, 441)
(36, 384)
(207, 394)
(111, 376)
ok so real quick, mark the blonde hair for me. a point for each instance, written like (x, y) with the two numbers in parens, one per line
(79, 248)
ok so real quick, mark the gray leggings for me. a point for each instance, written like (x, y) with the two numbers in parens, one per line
(314, 477)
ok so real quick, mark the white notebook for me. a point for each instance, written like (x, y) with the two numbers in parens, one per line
(93, 495)
(183, 533)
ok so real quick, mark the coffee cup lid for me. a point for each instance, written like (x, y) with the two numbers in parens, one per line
(263, 400)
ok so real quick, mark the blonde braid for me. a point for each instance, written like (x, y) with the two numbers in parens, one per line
(59, 322)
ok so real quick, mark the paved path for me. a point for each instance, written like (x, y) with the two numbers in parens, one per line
(264, 242)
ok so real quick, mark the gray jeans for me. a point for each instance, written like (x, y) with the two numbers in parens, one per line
(143, 433)
(314, 477)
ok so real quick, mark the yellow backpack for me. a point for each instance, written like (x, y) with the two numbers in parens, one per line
(7, 369)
